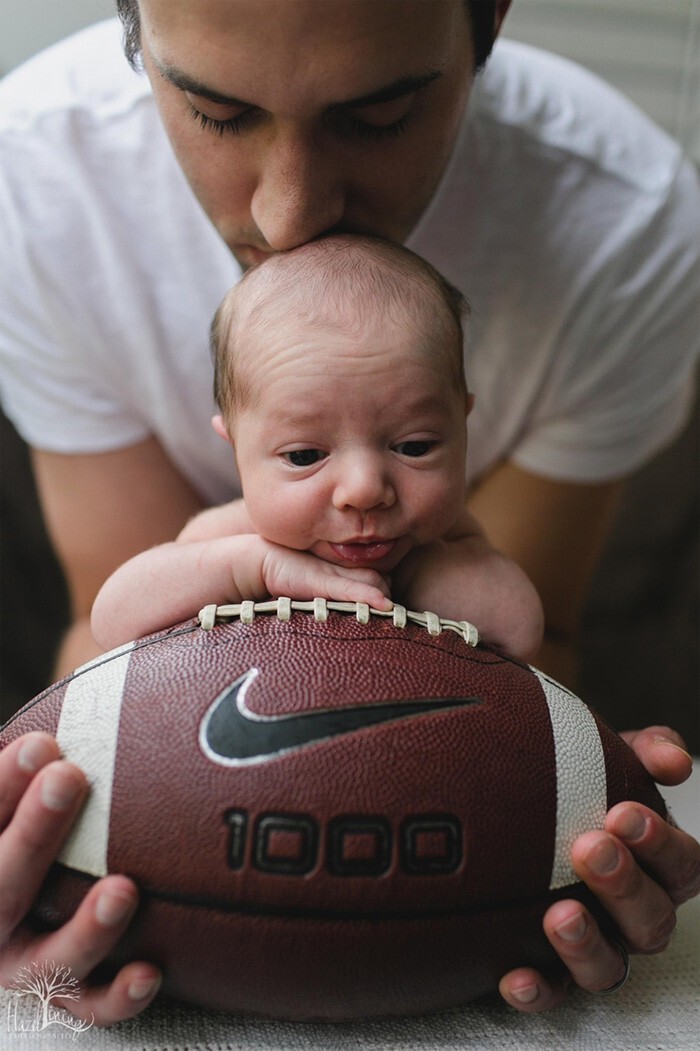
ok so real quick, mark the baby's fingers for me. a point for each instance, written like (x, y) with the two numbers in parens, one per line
(356, 585)
(368, 594)
(301, 575)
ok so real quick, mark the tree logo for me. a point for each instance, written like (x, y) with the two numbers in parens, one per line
(35, 991)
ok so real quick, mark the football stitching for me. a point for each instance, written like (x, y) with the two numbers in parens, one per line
(283, 608)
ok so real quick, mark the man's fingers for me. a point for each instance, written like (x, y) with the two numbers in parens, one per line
(667, 853)
(125, 996)
(41, 797)
(95, 928)
(34, 836)
(84, 942)
(530, 992)
(593, 962)
(662, 751)
(640, 907)
(19, 762)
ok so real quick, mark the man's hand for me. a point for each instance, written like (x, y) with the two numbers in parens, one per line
(40, 797)
(300, 575)
(639, 867)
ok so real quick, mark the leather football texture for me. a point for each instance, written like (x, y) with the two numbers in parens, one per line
(330, 813)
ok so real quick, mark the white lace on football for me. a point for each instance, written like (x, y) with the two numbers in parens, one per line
(283, 608)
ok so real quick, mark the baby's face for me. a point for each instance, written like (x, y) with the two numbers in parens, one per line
(352, 445)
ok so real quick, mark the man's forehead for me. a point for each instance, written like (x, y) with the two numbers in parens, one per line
(346, 48)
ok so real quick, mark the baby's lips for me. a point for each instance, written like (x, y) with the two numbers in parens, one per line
(364, 551)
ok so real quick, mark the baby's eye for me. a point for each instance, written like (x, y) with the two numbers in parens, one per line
(415, 448)
(303, 457)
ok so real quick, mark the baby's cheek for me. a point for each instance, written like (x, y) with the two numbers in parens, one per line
(442, 508)
(285, 516)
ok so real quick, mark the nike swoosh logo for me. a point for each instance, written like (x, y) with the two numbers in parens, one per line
(232, 735)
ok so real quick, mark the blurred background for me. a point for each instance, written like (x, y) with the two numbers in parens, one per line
(641, 645)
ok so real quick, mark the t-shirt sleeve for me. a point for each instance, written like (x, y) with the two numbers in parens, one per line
(56, 381)
(627, 389)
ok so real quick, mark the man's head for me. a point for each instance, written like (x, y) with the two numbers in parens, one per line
(341, 384)
(295, 118)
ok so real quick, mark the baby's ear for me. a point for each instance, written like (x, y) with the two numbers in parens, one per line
(219, 426)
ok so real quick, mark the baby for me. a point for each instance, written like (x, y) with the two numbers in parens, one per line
(340, 379)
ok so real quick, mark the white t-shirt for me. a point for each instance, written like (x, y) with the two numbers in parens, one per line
(571, 223)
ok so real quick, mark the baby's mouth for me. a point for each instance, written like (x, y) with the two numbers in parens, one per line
(364, 550)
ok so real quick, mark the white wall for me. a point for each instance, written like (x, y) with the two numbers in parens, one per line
(28, 26)
(650, 49)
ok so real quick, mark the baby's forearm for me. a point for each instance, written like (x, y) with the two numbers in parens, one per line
(172, 582)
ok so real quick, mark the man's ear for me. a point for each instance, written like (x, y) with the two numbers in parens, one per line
(219, 426)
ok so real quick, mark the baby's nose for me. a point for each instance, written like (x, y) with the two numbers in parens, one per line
(364, 484)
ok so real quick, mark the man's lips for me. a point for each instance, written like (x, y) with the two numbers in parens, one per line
(364, 550)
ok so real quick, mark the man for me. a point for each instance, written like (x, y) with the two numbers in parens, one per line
(288, 120)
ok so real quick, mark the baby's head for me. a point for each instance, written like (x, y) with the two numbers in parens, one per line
(348, 283)
(341, 386)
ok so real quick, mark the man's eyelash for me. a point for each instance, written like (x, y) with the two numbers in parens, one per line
(373, 132)
(358, 128)
(234, 125)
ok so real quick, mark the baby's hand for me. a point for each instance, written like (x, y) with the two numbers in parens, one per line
(300, 575)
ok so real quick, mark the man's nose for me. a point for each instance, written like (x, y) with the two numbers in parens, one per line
(300, 193)
(363, 485)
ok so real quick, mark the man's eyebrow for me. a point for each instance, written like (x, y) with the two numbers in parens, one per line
(195, 87)
(395, 90)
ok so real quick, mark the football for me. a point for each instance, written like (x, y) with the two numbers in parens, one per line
(330, 812)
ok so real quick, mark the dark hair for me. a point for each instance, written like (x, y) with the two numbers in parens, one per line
(128, 11)
(481, 12)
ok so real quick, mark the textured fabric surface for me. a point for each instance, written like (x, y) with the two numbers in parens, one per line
(658, 1010)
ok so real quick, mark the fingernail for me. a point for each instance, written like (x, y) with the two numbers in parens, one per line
(33, 755)
(677, 748)
(604, 857)
(142, 988)
(573, 929)
(58, 792)
(672, 744)
(630, 825)
(112, 908)
(526, 994)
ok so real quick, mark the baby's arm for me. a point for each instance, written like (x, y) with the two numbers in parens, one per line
(229, 519)
(462, 577)
(172, 582)
(155, 589)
